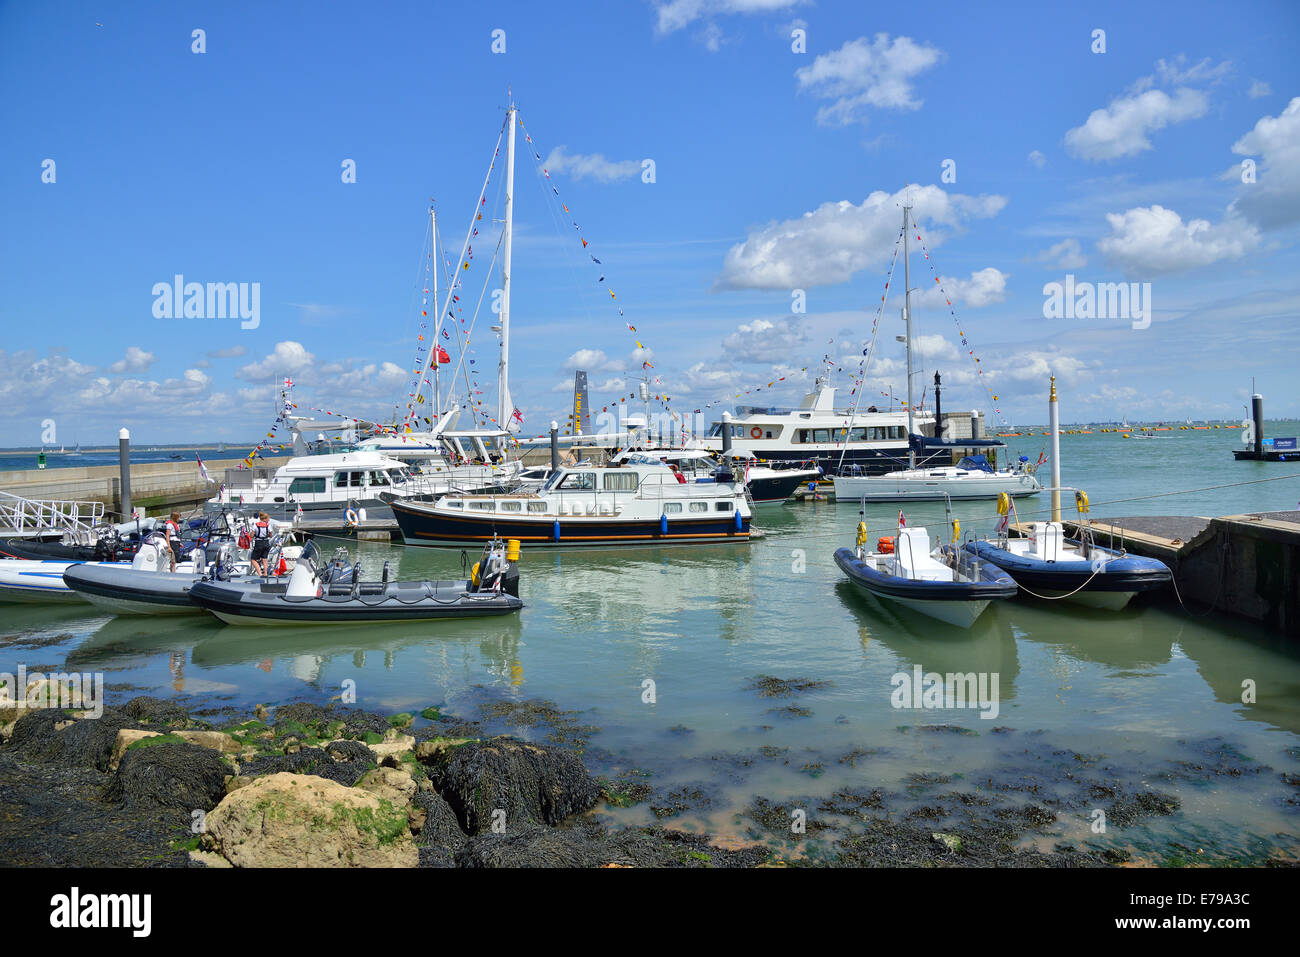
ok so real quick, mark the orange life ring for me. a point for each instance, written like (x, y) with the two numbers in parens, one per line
(885, 546)
(755, 433)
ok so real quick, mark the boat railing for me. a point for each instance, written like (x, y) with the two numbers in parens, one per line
(660, 487)
(29, 518)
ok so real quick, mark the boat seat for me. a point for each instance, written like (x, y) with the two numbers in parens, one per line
(1047, 541)
(912, 557)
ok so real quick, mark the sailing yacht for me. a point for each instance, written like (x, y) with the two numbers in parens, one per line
(973, 477)
(445, 458)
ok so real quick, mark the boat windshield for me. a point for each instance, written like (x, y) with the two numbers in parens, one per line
(310, 554)
(975, 463)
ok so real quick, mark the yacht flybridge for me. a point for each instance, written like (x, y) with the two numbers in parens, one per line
(324, 487)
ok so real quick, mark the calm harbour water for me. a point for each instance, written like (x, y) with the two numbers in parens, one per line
(1144, 692)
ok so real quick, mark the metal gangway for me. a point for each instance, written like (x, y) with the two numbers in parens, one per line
(36, 518)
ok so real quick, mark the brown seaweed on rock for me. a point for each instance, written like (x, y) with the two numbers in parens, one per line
(530, 783)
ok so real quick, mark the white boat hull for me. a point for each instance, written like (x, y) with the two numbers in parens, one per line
(1105, 600)
(892, 488)
(963, 614)
(23, 580)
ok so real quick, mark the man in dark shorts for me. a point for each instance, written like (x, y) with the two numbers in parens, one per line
(261, 543)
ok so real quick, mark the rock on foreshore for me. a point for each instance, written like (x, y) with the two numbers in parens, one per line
(300, 820)
(530, 783)
(183, 777)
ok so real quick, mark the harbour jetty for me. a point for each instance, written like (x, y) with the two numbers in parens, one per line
(154, 486)
(1245, 565)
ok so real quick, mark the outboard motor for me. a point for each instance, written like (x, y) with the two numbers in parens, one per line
(338, 570)
(498, 569)
(224, 566)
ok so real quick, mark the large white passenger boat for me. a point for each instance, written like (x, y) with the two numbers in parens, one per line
(819, 434)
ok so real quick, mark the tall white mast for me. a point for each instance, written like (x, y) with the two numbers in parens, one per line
(445, 308)
(437, 325)
(505, 408)
(907, 317)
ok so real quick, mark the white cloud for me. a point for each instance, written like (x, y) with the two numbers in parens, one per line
(867, 73)
(712, 38)
(1067, 254)
(1121, 128)
(1176, 72)
(233, 352)
(764, 341)
(289, 358)
(595, 166)
(676, 14)
(1259, 89)
(1273, 200)
(591, 360)
(136, 360)
(1037, 159)
(1150, 240)
(984, 287)
(836, 240)
(934, 348)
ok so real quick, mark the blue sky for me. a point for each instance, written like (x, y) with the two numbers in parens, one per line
(775, 170)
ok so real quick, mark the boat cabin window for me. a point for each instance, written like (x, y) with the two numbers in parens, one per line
(620, 481)
(580, 481)
(821, 435)
(378, 478)
(481, 506)
(307, 486)
(737, 431)
(699, 506)
(512, 506)
(455, 504)
(536, 506)
(722, 506)
(348, 479)
(672, 508)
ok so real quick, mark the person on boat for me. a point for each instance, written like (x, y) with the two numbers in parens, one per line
(677, 474)
(261, 543)
(172, 529)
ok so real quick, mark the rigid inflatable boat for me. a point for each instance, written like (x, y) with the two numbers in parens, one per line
(317, 593)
